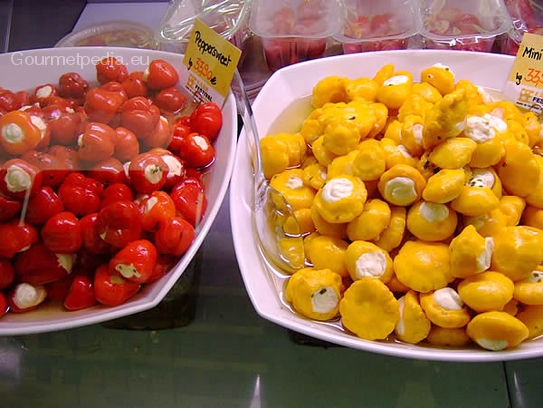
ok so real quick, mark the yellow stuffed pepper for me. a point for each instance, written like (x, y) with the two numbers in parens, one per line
(517, 252)
(431, 221)
(423, 266)
(440, 77)
(330, 89)
(373, 220)
(282, 151)
(315, 293)
(486, 291)
(444, 186)
(529, 290)
(470, 253)
(363, 258)
(290, 183)
(445, 119)
(369, 309)
(445, 308)
(413, 326)
(395, 89)
(496, 330)
(328, 252)
(401, 185)
(341, 199)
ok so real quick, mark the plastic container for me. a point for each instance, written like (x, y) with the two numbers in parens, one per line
(463, 25)
(527, 17)
(116, 33)
(229, 18)
(293, 30)
(377, 26)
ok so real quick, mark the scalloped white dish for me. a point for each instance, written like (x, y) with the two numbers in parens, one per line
(27, 69)
(283, 89)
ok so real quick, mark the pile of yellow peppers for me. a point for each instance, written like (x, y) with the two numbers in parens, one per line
(421, 204)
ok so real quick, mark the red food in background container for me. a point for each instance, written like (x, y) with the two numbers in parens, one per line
(462, 25)
(527, 17)
(293, 31)
(377, 26)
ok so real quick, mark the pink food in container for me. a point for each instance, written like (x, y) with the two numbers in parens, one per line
(527, 17)
(463, 25)
(293, 31)
(377, 26)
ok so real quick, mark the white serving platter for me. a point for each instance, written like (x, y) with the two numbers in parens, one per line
(23, 70)
(283, 89)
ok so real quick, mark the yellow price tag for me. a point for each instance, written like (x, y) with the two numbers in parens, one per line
(211, 61)
(525, 83)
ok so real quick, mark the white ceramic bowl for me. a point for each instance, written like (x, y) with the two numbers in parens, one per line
(28, 69)
(279, 93)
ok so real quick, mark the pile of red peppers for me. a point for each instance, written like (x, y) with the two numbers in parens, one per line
(101, 186)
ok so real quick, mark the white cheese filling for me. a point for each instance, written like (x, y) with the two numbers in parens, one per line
(433, 212)
(418, 132)
(17, 179)
(127, 271)
(175, 168)
(371, 264)
(448, 299)
(153, 173)
(150, 203)
(67, 261)
(44, 92)
(405, 153)
(337, 189)
(324, 300)
(445, 67)
(483, 260)
(535, 277)
(497, 122)
(396, 80)
(401, 190)
(494, 345)
(477, 182)
(201, 142)
(400, 325)
(484, 177)
(39, 123)
(26, 295)
(294, 182)
(479, 129)
(12, 133)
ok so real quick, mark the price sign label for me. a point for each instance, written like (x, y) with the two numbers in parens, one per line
(525, 83)
(210, 61)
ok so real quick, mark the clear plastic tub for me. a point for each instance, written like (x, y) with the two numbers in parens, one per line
(293, 30)
(377, 26)
(229, 18)
(527, 17)
(463, 25)
(115, 33)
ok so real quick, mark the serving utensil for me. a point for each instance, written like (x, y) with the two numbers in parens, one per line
(278, 232)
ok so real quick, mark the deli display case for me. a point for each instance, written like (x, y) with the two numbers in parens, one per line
(205, 345)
